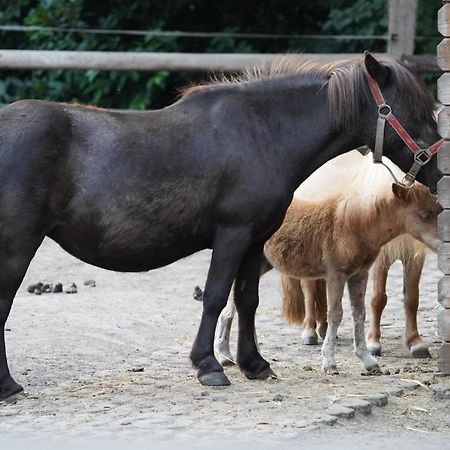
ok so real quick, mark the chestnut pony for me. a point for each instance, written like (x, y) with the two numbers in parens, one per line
(337, 239)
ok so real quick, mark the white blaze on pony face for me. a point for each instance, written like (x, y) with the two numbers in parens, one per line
(422, 211)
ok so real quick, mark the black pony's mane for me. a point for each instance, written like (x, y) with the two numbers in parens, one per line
(345, 81)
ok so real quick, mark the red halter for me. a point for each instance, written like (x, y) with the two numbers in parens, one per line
(421, 156)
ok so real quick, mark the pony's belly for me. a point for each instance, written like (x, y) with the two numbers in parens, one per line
(134, 256)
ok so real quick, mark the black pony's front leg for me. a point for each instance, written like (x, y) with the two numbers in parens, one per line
(246, 298)
(8, 386)
(230, 245)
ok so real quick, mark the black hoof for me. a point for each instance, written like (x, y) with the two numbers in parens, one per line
(375, 351)
(310, 340)
(421, 352)
(262, 375)
(214, 379)
(9, 389)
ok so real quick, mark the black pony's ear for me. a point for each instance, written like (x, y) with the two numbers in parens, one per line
(378, 72)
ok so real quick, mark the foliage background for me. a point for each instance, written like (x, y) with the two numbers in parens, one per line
(152, 90)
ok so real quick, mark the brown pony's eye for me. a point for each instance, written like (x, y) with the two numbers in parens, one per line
(425, 216)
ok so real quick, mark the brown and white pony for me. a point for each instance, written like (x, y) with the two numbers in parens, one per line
(338, 239)
(353, 173)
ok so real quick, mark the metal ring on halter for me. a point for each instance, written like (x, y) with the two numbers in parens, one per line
(406, 182)
(382, 114)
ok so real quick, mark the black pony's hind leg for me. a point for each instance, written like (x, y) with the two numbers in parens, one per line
(246, 298)
(13, 265)
(230, 245)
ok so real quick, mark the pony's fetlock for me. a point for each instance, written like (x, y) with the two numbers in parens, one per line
(256, 368)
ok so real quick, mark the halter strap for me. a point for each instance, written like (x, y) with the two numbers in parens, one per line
(421, 156)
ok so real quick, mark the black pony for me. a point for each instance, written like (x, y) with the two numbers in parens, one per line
(136, 191)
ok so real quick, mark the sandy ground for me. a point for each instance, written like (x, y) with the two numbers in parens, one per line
(111, 364)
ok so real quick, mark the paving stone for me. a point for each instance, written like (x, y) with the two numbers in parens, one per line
(410, 385)
(360, 406)
(394, 392)
(327, 419)
(341, 411)
(377, 399)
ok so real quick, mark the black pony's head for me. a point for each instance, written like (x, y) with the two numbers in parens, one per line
(413, 107)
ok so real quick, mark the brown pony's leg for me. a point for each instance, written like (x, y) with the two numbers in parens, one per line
(357, 291)
(309, 336)
(321, 307)
(222, 340)
(378, 302)
(412, 270)
(335, 289)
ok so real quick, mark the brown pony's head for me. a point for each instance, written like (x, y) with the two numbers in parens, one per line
(422, 210)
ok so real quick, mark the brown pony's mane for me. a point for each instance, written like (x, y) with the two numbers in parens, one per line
(344, 80)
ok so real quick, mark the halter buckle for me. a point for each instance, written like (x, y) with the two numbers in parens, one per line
(422, 157)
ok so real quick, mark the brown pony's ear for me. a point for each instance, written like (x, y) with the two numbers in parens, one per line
(378, 72)
(400, 192)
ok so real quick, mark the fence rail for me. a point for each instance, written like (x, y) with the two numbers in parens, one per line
(173, 62)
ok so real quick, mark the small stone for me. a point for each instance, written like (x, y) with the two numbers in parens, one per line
(278, 398)
(440, 392)
(397, 371)
(360, 406)
(46, 288)
(37, 291)
(56, 288)
(341, 411)
(387, 372)
(90, 283)
(394, 392)
(327, 419)
(198, 294)
(137, 369)
(410, 385)
(32, 287)
(377, 399)
(72, 289)
(307, 368)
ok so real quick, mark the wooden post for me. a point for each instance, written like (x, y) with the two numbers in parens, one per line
(443, 58)
(402, 27)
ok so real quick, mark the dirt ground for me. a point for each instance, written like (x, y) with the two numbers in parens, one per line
(111, 363)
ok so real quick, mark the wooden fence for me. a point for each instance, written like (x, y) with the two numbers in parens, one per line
(400, 44)
(443, 57)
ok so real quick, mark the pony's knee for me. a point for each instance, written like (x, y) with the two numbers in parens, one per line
(379, 300)
(214, 304)
(335, 316)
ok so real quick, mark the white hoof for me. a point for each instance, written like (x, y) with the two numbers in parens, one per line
(225, 359)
